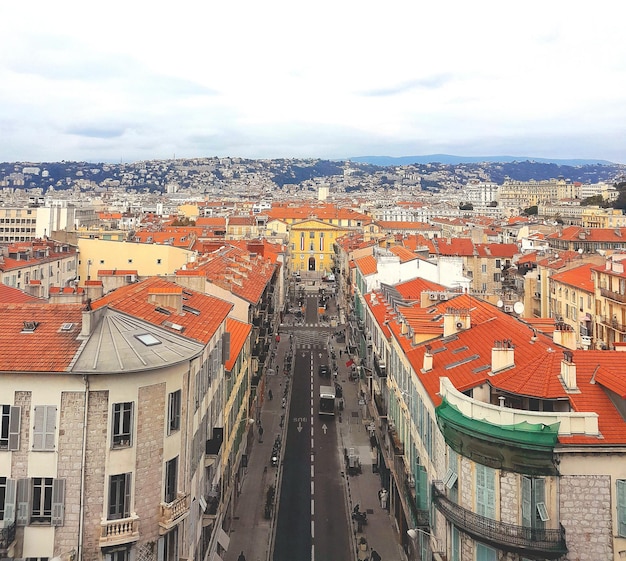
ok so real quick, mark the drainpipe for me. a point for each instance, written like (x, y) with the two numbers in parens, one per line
(81, 514)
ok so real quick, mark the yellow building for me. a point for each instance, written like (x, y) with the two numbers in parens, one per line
(147, 259)
(311, 244)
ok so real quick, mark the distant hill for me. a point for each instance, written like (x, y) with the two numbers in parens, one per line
(386, 161)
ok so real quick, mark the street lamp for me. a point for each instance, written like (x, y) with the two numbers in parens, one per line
(414, 534)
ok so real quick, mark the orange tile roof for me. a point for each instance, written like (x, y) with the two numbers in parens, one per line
(239, 332)
(579, 277)
(48, 348)
(10, 295)
(133, 300)
(577, 233)
(412, 289)
(367, 265)
(236, 270)
(403, 253)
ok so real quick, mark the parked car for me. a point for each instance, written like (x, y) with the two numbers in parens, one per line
(324, 370)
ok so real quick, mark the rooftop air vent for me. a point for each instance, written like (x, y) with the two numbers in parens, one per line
(30, 326)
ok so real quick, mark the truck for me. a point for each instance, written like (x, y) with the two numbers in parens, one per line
(327, 400)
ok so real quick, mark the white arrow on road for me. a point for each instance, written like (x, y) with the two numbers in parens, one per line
(324, 428)
(299, 427)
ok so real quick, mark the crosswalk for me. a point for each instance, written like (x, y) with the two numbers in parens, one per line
(310, 339)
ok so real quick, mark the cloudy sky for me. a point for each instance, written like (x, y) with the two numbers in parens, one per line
(125, 81)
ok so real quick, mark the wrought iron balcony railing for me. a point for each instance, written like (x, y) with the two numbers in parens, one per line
(7, 536)
(544, 543)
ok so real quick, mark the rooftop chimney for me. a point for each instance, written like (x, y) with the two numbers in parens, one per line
(568, 371)
(455, 320)
(564, 335)
(428, 360)
(502, 355)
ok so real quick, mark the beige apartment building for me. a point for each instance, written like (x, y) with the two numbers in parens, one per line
(121, 436)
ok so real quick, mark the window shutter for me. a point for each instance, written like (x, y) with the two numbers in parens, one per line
(490, 499)
(23, 501)
(621, 507)
(170, 413)
(50, 427)
(40, 417)
(540, 499)
(9, 500)
(526, 503)
(14, 428)
(58, 501)
(225, 347)
(127, 488)
(131, 424)
(161, 549)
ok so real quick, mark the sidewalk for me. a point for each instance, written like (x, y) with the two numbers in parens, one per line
(252, 533)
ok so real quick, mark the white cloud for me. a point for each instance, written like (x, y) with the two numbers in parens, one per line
(328, 79)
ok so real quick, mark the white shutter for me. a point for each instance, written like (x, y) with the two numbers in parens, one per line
(161, 549)
(50, 426)
(58, 502)
(14, 428)
(9, 500)
(40, 417)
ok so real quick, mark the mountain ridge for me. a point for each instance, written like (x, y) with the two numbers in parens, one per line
(386, 161)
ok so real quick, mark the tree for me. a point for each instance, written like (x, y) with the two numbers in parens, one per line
(466, 206)
(531, 210)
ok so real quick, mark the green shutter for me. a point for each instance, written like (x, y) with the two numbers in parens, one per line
(621, 507)
(526, 502)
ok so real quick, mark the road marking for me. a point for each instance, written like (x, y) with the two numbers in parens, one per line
(324, 428)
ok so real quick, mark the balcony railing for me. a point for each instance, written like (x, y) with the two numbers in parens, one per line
(172, 513)
(115, 532)
(544, 543)
(612, 322)
(7, 537)
(406, 484)
(613, 295)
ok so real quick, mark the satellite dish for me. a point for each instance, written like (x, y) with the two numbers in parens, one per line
(499, 303)
(518, 307)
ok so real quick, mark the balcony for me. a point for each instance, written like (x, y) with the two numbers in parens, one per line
(7, 537)
(119, 532)
(528, 542)
(406, 484)
(613, 323)
(613, 295)
(172, 513)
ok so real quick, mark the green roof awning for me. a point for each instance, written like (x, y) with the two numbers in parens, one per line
(531, 436)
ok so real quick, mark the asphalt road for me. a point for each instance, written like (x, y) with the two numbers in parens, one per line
(312, 518)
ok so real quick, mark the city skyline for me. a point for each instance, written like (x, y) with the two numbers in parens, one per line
(274, 79)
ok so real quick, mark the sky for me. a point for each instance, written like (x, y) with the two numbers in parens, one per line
(127, 81)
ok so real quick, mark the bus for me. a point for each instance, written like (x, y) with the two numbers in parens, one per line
(327, 400)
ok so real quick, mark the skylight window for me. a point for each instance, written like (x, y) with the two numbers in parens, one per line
(67, 326)
(30, 326)
(191, 310)
(148, 339)
(462, 361)
(173, 325)
(162, 310)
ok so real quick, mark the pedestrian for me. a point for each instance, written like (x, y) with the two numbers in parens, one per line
(260, 433)
(284, 402)
(375, 556)
(340, 352)
(242, 557)
(270, 395)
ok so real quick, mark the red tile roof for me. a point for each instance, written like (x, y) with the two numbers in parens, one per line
(48, 348)
(239, 332)
(134, 300)
(10, 295)
(579, 277)
(367, 265)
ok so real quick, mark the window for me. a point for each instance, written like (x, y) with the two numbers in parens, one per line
(117, 554)
(122, 424)
(45, 427)
(171, 480)
(158, 261)
(534, 511)
(7, 499)
(119, 496)
(173, 413)
(40, 500)
(484, 553)
(621, 508)
(167, 546)
(485, 491)
(9, 427)
(483, 269)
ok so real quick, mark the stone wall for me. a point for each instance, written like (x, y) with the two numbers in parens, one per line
(510, 500)
(19, 458)
(149, 463)
(585, 506)
(69, 461)
(94, 497)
